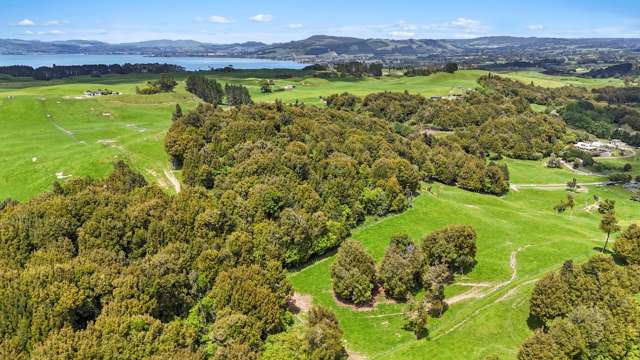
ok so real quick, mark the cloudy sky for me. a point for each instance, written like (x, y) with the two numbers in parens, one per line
(284, 20)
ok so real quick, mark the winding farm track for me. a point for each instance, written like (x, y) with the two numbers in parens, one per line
(172, 179)
(517, 187)
(478, 292)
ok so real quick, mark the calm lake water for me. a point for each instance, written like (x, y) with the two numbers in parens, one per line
(189, 63)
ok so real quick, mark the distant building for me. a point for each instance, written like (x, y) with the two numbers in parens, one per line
(601, 149)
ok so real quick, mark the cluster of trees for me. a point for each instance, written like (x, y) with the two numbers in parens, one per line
(237, 95)
(212, 92)
(166, 83)
(359, 69)
(453, 166)
(529, 136)
(618, 95)
(587, 311)
(604, 121)
(305, 175)
(59, 72)
(99, 268)
(319, 339)
(209, 90)
(295, 179)
(485, 121)
(618, 70)
(473, 109)
(585, 115)
(404, 269)
(426, 71)
(393, 106)
(532, 93)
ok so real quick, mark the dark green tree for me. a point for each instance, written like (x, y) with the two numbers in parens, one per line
(353, 273)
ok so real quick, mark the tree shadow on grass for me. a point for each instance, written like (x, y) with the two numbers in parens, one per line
(534, 322)
(606, 252)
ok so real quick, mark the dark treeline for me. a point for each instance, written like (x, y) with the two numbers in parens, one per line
(359, 69)
(615, 95)
(59, 72)
(618, 70)
(212, 92)
(237, 95)
(209, 90)
(429, 70)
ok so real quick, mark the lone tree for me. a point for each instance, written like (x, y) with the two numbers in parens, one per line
(569, 203)
(167, 83)
(454, 246)
(177, 114)
(628, 245)
(353, 273)
(608, 223)
(416, 313)
(323, 335)
(572, 185)
(451, 67)
(399, 270)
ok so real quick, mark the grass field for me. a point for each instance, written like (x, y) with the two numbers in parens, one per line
(47, 131)
(521, 222)
(621, 161)
(558, 81)
(82, 137)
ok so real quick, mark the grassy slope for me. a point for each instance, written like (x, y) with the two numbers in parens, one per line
(558, 81)
(518, 220)
(28, 132)
(68, 139)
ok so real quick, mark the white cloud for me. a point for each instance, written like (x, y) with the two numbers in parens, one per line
(535, 27)
(296, 26)
(458, 28)
(263, 18)
(219, 19)
(29, 32)
(50, 32)
(56, 22)
(402, 34)
(25, 22)
(404, 26)
(467, 25)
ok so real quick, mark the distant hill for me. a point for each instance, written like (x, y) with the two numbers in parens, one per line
(153, 47)
(323, 45)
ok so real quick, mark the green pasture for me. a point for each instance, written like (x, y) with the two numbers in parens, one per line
(521, 222)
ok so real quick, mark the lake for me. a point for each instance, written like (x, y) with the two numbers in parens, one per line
(189, 63)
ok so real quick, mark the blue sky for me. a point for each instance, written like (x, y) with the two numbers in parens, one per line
(283, 20)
